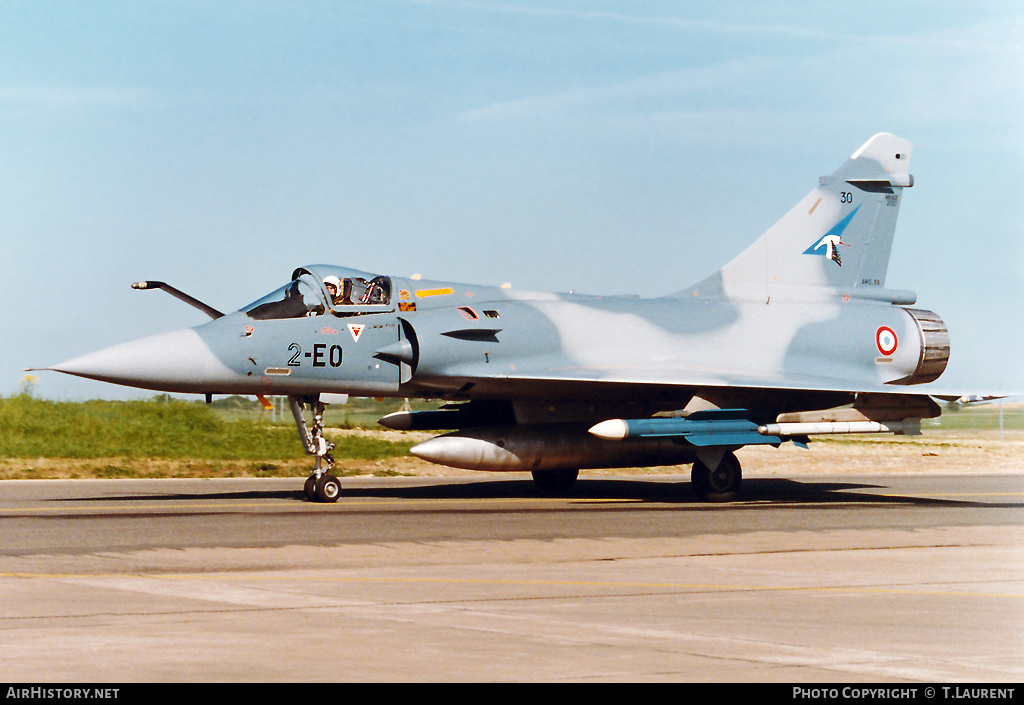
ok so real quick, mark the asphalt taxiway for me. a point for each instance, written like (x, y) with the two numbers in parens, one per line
(866, 578)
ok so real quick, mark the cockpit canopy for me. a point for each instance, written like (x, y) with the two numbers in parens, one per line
(313, 291)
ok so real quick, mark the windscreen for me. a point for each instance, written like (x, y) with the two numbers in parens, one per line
(297, 299)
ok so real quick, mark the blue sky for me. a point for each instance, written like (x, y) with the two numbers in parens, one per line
(606, 147)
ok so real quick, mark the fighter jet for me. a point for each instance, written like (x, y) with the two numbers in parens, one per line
(786, 341)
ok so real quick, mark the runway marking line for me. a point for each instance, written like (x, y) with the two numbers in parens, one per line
(549, 583)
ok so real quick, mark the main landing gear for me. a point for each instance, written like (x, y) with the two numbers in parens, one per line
(721, 484)
(320, 486)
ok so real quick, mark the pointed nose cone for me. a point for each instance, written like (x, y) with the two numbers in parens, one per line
(178, 361)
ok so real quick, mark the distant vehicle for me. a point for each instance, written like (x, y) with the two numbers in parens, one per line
(797, 336)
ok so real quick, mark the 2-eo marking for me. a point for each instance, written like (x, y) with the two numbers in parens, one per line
(321, 356)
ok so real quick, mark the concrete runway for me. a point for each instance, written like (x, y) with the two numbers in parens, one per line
(841, 579)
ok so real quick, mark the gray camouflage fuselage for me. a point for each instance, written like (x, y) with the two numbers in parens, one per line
(800, 323)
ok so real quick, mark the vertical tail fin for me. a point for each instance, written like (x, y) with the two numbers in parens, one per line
(838, 238)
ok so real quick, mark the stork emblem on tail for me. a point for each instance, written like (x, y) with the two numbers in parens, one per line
(828, 245)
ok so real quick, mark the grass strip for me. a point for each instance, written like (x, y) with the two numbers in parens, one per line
(37, 428)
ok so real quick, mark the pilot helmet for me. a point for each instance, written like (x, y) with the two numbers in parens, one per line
(334, 282)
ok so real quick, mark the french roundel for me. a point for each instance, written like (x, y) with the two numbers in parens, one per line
(885, 339)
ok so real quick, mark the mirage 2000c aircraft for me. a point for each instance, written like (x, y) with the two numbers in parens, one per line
(796, 336)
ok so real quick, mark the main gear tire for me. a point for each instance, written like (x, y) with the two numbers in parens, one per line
(719, 485)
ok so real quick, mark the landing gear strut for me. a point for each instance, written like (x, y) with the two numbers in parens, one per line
(320, 486)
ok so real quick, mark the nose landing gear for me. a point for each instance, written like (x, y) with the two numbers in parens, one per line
(320, 486)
